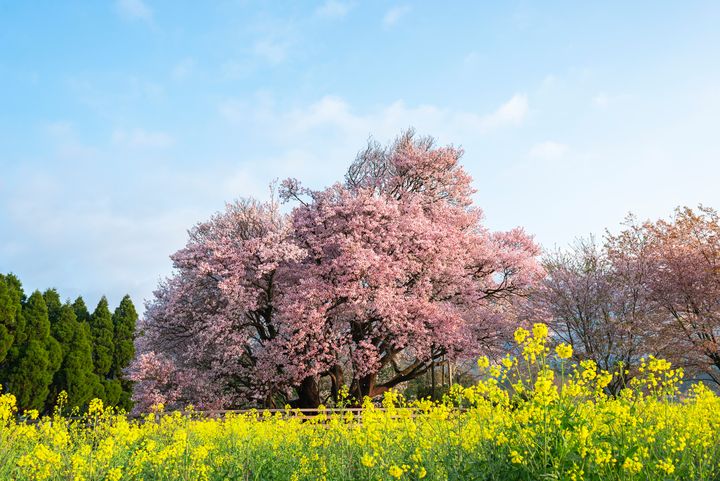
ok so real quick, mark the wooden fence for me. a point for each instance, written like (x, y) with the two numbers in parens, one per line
(264, 414)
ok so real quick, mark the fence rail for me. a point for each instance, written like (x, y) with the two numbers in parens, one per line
(262, 414)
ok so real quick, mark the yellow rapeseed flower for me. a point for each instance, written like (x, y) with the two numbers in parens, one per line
(646, 432)
(516, 457)
(540, 330)
(521, 334)
(367, 460)
(564, 351)
(395, 471)
(666, 466)
(483, 362)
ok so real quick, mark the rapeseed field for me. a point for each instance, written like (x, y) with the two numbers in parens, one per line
(533, 416)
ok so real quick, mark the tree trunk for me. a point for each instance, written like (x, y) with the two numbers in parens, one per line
(365, 386)
(442, 372)
(308, 394)
(432, 379)
(336, 382)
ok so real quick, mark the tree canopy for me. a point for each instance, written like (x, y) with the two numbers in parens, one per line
(47, 347)
(364, 284)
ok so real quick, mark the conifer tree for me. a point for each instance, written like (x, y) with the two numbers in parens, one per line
(81, 310)
(62, 324)
(112, 392)
(83, 318)
(124, 322)
(53, 303)
(101, 327)
(11, 297)
(85, 340)
(36, 359)
(76, 376)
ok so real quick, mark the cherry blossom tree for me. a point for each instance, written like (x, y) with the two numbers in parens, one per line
(365, 284)
(685, 281)
(399, 270)
(207, 336)
(653, 288)
(595, 298)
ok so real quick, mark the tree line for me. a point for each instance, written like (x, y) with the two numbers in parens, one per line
(651, 289)
(48, 346)
(368, 285)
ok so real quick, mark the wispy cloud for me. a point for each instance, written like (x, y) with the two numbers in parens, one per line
(334, 9)
(77, 231)
(183, 68)
(601, 100)
(512, 112)
(271, 51)
(322, 136)
(134, 9)
(139, 138)
(548, 150)
(334, 116)
(67, 142)
(471, 60)
(113, 96)
(393, 16)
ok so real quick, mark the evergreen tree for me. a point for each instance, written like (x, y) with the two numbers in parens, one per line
(81, 310)
(47, 347)
(36, 359)
(83, 318)
(124, 322)
(53, 303)
(60, 329)
(11, 297)
(76, 376)
(112, 392)
(62, 324)
(86, 340)
(101, 327)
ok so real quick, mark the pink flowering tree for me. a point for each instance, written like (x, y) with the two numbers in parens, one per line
(685, 281)
(595, 298)
(651, 289)
(399, 270)
(210, 336)
(365, 285)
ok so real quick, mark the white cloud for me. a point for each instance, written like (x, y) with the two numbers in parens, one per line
(67, 142)
(139, 138)
(512, 112)
(548, 150)
(233, 110)
(471, 59)
(601, 100)
(329, 110)
(233, 69)
(315, 141)
(393, 15)
(271, 51)
(123, 237)
(333, 116)
(333, 9)
(134, 9)
(549, 81)
(183, 68)
(98, 239)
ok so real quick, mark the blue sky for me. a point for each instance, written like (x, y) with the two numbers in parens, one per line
(123, 123)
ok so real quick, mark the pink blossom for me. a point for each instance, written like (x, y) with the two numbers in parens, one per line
(390, 271)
